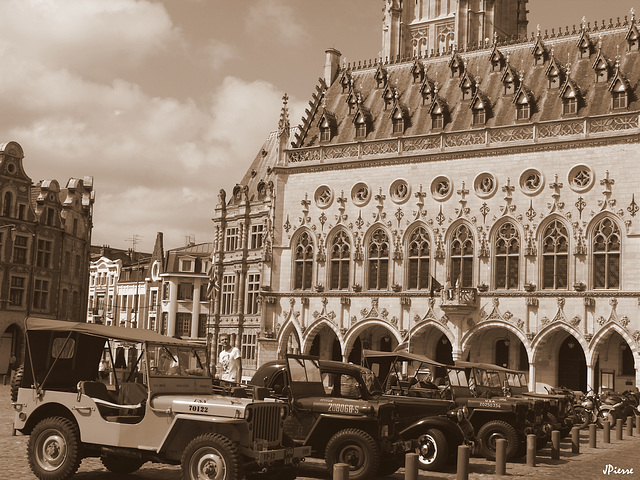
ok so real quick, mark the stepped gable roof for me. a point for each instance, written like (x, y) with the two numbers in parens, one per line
(595, 100)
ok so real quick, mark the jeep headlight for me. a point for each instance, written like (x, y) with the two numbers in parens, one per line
(465, 412)
(248, 414)
(460, 414)
(283, 412)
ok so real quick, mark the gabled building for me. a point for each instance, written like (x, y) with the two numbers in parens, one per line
(473, 205)
(45, 238)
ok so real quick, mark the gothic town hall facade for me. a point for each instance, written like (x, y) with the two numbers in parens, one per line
(471, 198)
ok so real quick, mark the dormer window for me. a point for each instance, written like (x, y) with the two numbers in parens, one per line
(619, 99)
(538, 51)
(381, 77)
(479, 116)
(437, 121)
(467, 87)
(456, 64)
(325, 133)
(523, 109)
(584, 45)
(509, 81)
(398, 125)
(570, 106)
(479, 107)
(632, 37)
(417, 71)
(426, 89)
(388, 96)
(352, 103)
(187, 265)
(361, 128)
(345, 82)
(554, 79)
(602, 72)
(497, 60)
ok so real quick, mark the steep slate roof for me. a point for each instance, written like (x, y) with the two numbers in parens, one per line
(199, 251)
(547, 104)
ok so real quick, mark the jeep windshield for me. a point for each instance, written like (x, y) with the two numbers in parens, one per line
(179, 361)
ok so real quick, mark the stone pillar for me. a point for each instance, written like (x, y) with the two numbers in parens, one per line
(195, 313)
(532, 377)
(173, 308)
(591, 376)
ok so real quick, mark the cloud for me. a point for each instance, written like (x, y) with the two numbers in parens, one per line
(218, 53)
(272, 18)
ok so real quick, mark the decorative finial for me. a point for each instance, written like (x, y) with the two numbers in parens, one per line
(633, 15)
(583, 26)
(495, 37)
(538, 27)
(600, 43)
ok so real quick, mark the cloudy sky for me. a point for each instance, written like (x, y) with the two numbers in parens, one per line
(165, 102)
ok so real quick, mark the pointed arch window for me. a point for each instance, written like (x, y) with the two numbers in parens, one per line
(303, 260)
(462, 257)
(419, 255)
(555, 256)
(507, 261)
(378, 260)
(361, 127)
(340, 261)
(606, 255)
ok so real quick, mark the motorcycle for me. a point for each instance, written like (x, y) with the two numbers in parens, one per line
(594, 408)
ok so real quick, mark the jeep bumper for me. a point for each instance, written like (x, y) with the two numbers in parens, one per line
(285, 455)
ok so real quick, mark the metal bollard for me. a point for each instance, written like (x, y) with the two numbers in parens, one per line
(637, 424)
(619, 429)
(629, 426)
(340, 471)
(531, 449)
(501, 456)
(592, 435)
(606, 432)
(555, 444)
(575, 440)
(463, 463)
(411, 466)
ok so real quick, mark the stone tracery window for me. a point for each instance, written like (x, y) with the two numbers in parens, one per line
(555, 256)
(606, 255)
(378, 260)
(303, 262)
(419, 255)
(507, 259)
(340, 260)
(462, 247)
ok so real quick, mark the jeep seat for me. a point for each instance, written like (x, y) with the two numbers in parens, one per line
(109, 410)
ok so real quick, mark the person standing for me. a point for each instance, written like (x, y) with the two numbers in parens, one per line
(230, 360)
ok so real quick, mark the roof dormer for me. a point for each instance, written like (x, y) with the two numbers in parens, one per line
(497, 59)
(633, 36)
(555, 73)
(427, 90)
(381, 76)
(467, 86)
(620, 90)
(417, 71)
(523, 100)
(585, 45)
(388, 95)
(362, 120)
(601, 66)
(399, 117)
(346, 82)
(352, 100)
(438, 111)
(480, 109)
(571, 97)
(456, 64)
(539, 51)
(509, 79)
(328, 125)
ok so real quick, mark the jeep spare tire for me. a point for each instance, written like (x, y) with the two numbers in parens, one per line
(357, 449)
(16, 382)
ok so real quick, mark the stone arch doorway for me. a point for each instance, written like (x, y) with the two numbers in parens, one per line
(497, 345)
(572, 365)
(11, 345)
(371, 337)
(325, 344)
(290, 342)
(615, 367)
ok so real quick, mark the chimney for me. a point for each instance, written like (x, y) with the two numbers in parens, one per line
(331, 65)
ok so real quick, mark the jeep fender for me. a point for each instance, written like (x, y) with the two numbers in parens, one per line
(451, 430)
(327, 425)
(186, 427)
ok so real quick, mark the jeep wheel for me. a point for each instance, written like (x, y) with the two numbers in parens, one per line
(53, 450)
(492, 431)
(432, 450)
(120, 464)
(211, 456)
(16, 382)
(357, 449)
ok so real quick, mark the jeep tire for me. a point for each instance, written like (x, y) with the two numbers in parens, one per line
(357, 449)
(16, 382)
(209, 455)
(432, 450)
(492, 431)
(120, 464)
(53, 450)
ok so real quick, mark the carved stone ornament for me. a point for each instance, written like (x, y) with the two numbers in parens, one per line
(636, 336)
(470, 322)
(520, 323)
(624, 321)
(575, 321)
(601, 320)
(394, 320)
(545, 320)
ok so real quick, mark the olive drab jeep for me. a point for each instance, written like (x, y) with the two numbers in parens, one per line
(160, 408)
(333, 419)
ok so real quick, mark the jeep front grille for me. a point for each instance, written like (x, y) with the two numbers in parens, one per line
(266, 423)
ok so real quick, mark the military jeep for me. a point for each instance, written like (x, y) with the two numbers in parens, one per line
(404, 375)
(160, 408)
(433, 431)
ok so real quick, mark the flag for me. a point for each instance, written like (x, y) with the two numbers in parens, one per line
(213, 282)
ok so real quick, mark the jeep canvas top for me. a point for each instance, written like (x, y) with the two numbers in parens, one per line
(160, 407)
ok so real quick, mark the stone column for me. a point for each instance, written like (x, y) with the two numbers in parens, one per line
(173, 308)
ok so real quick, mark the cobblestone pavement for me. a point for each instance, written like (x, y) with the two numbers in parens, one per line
(587, 465)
